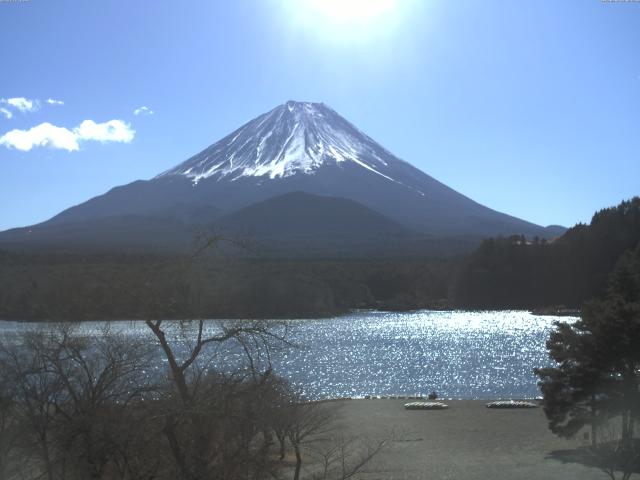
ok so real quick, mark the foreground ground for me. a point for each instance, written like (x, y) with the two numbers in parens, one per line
(467, 441)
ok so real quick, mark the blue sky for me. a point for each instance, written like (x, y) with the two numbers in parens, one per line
(530, 107)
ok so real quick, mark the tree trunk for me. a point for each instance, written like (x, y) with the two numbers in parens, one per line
(48, 464)
(594, 420)
(176, 451)
(46, 457)
(625, 428)
(296, 475)
(176, 371)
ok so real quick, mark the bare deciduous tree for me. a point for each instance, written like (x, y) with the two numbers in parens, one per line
(345, 457)
(71, 393)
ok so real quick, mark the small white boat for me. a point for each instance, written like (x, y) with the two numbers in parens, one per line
(512, 404)
(426, 406)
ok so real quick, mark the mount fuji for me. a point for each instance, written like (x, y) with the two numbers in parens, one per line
(299, 175)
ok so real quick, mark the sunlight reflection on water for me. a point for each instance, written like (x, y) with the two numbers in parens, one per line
(458, 354)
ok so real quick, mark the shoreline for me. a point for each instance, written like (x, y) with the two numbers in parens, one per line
(320, 316)
(425, 398)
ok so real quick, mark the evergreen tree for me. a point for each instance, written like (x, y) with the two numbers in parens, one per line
(597, 376)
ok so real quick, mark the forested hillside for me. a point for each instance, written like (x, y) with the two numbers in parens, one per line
(513, 272)
(516, 273)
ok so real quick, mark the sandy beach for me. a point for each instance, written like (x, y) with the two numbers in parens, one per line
(467, 441)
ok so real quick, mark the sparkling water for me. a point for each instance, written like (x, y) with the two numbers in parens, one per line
(458, 354)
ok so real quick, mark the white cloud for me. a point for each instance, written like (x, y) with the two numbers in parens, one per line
(111, 131)
(22, 104)
(143, 111)
(48, 135)
(43, 135)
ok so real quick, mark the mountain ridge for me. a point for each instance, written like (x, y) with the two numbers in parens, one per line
(295, 147)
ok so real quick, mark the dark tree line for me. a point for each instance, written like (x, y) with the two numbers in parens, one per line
(516, 272)
(98, 287)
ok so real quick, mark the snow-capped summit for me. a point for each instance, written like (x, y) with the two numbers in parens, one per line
(293, 138)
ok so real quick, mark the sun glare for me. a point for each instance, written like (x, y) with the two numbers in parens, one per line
(350, 11)
(346, 20)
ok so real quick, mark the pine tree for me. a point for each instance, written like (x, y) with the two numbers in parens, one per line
(597, 376)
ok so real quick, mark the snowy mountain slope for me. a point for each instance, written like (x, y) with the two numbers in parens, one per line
(294, 138)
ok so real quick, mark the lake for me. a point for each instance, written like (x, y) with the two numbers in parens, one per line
(459, 354)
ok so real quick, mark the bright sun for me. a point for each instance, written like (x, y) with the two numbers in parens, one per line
(346, 20)
(351, 11)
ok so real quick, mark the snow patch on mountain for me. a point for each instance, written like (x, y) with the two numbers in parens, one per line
(294, 138)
